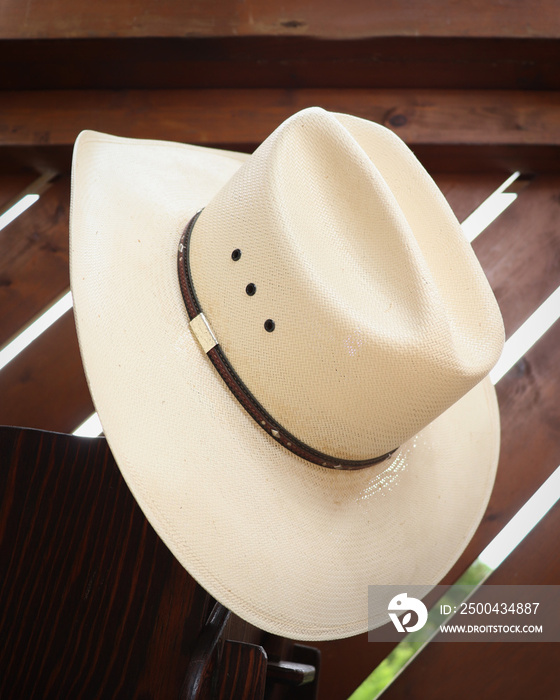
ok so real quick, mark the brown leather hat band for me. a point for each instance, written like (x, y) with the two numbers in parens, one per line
(238, 388)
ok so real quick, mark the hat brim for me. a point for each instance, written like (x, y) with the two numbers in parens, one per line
(289, 546)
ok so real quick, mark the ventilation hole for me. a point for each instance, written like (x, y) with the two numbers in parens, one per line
(250, 289)
(236, 254)
(269, 325)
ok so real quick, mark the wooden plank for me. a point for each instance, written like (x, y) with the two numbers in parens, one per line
(45, 386)
(530, 451)
(35, 159)
(80, 621)
(466, 191)
(520, 251)
(535, 560)
(320, 18)
(244, 672)
(34, 259)
(472, 158)
(280, 62)
(420, 117)
(79, 618)
(490, 670)
(11, 184)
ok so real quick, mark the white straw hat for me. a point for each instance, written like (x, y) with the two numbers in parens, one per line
(355, 329)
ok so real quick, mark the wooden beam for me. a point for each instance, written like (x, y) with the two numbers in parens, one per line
(10, 187)
(420, 117)
(449, 129)
(522, 244)
(315, 18)
(280, 62)
(45, 386)
(466, 192)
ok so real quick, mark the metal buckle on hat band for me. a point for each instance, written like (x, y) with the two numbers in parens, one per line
(203, 332)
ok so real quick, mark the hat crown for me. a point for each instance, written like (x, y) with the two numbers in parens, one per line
(382, 315)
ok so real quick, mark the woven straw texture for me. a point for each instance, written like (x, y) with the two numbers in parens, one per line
(380, 306)
(383, 321)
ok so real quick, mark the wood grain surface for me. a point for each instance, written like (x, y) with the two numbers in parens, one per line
(450, 130)
(11, 185)
(247, 116)
(92, 603)
(289, 62)
(45, 386)
(80, 618)
(34, 259)
(523, 244)
(316, 18)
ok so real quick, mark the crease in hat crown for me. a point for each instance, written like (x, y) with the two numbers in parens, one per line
(382, 315)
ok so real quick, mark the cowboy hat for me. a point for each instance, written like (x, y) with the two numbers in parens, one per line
(289, 354)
